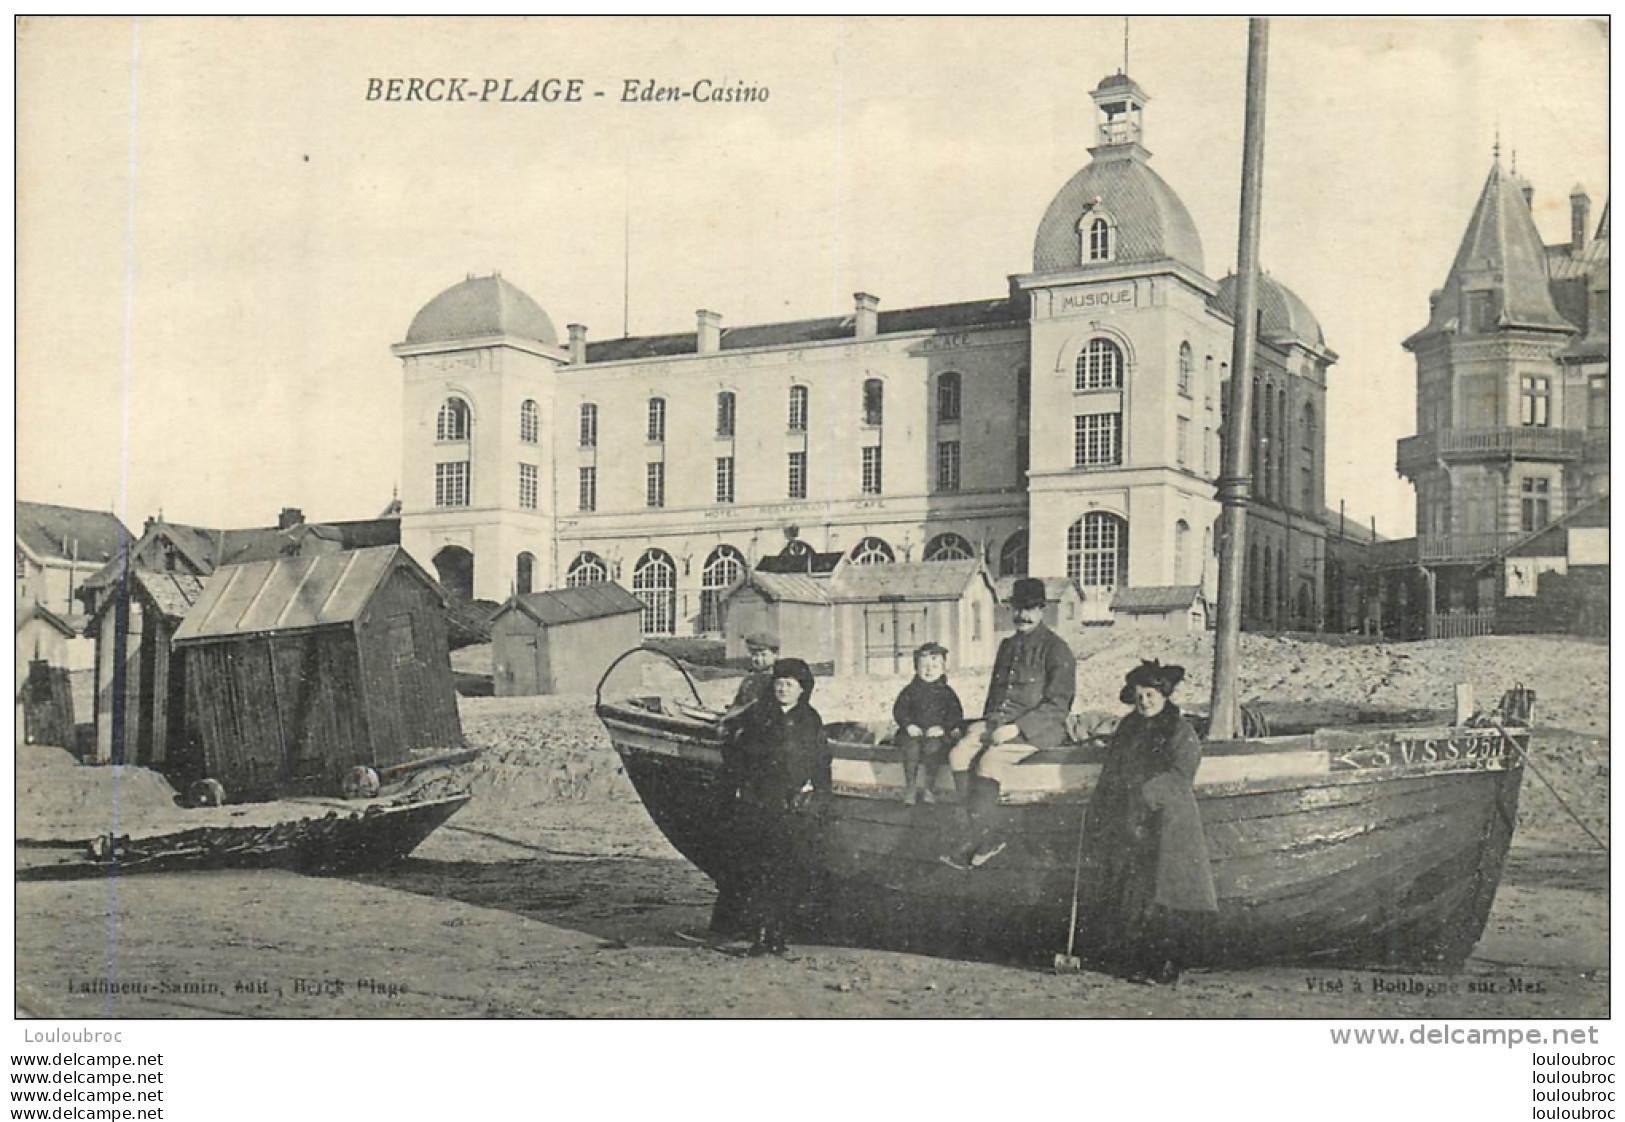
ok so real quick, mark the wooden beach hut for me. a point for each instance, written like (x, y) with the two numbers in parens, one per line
(140, 693)
(792, 607)
(883, 612)
(563, 640)
(302, 668)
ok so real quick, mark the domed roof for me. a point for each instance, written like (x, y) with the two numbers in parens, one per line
(1286, 317)
(480, 307)
(1152, 223)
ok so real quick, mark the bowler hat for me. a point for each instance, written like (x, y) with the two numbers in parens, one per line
(797, 669)
(1151, 673)
(762, 641)
(1028, 593)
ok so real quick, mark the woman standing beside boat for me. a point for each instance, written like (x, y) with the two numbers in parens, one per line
(1149, 886)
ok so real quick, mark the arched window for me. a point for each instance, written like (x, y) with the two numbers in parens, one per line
(722, 571)
(872, 551)
(948, 547)
(874, 401)
(530, 423)
(1100, 240)
(1183, 573)
(1097, 552)
(725, 413)
(454, 569)
(1013, 555)
(524, 573)
(587, 568)
(1308, 439)
(657, 419)
(654, 581)
(799, 551)
(452, 424)
(1100, 366)
(948, 399)
(798, 408)
(1187, 367)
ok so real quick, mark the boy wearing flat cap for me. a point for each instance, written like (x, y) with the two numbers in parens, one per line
(928, 714)
(1035, 677)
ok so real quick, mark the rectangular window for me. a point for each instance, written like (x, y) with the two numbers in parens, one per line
(451, 484)
(1597, 402)
(589, 425)
(797, 479)
(725, 479)
(527, 486)
(798, 408)
(725, 414)
(587, 493)
(657, 419)
(1095, 440)
(1537, 504)
(654, 492)
(400, 640)
(1182, 442)
(1536, 398)
(874, 402)
(948, 465)
(871, 471)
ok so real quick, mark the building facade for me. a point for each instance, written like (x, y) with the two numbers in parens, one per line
(1069, 429)
(1512, 401)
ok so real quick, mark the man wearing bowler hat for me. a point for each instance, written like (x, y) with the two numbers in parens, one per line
(1028, 699)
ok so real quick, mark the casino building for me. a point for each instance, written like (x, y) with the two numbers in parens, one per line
(1068, 428)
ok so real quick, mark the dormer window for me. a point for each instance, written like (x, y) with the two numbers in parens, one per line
(1097, 237)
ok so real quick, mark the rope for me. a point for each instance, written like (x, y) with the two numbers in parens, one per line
(1567, 809)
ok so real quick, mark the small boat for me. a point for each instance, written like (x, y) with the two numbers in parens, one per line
(1375, 845)
(302, 835)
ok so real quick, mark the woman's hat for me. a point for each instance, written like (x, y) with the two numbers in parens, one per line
(1151, 673)
(797, 669)
(1028, 593)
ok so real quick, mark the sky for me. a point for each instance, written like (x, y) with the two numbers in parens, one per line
(219, 236)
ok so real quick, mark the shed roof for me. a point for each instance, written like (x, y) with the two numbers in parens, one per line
(292, 593)
(69, 533)
(173, 593)
(923, 580)
(46, 616)
(573, 605)
(788, 588)
(1153, 598)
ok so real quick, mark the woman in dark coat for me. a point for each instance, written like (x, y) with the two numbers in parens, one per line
(1149, 887)
(783, 765)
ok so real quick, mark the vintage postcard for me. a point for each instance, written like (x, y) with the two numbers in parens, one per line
(1085, 564)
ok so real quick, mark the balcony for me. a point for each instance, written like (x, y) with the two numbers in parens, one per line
(1508, 442)
(1445, 549)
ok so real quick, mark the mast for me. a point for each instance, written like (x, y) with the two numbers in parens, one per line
(1235, 481)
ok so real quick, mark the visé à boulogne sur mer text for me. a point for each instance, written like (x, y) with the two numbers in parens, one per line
(566, 91)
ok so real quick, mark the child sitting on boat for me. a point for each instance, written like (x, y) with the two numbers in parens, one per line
(928, 715)
(784, 762)
(757, 684)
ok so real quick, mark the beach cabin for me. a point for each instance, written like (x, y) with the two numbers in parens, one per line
(794, 607)
(1160, 607)
(883, 612)
(302, 668)
(561, 641)
(44, 694)
(140, 694)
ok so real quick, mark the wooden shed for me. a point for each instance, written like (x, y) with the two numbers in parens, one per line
(1160, 607)
(562, 641)
(299, 669)
(883, 612)
(140, 694)
(793, 607)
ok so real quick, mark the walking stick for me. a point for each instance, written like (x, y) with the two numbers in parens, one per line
(1068, 963)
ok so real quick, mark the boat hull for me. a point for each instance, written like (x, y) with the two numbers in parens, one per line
(1376, 847)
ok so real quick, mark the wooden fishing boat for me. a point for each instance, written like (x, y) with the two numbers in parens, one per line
(302, 835)
(1370, 845)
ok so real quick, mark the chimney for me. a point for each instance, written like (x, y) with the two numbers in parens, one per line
(708, 332)
(867, 315)
(291, 516)
(1579, 218)
(1528, 194)
(578, 344)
